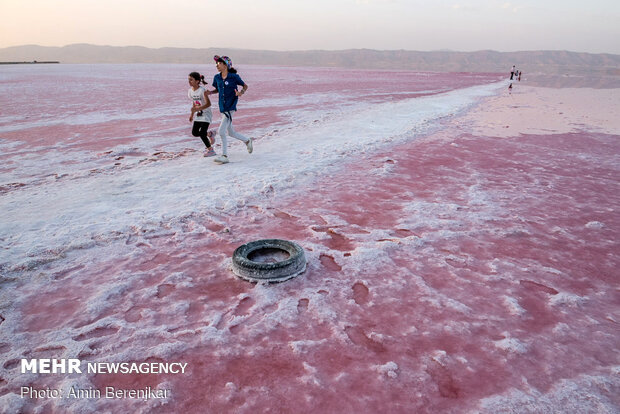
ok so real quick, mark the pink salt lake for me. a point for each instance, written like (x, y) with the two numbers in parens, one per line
(448, 271)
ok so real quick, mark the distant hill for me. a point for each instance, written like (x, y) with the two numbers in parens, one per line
(547, 62)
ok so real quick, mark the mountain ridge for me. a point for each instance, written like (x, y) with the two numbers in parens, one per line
(540, 61)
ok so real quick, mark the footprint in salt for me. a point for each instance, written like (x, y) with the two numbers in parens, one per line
(329, 263)
(358, 337)
(283, 215)
(222, 321)
(360, 293)
(445, 381)
(96, 333)
(403, 232)
(133, 315)
(339, 242)
(49, 350)
(302, 305)
(164, 290)
(242, 309)
(533, 286)
(244, 306)
(248, 318)
(11, 364)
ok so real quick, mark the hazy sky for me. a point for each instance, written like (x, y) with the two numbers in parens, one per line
(464, 25)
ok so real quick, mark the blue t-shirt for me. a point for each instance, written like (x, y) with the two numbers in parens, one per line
(226, 89)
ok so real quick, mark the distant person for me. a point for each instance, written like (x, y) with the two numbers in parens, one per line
(201, 113)
(512, 72)
(225, 84)
(519, 78)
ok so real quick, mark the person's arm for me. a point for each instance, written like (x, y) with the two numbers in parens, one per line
(207, 104)
(245, 88)
(207, 101)
(214, 84)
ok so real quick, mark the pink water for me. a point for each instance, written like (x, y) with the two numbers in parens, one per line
(446, 272)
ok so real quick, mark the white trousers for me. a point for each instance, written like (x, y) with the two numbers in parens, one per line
(226, 128)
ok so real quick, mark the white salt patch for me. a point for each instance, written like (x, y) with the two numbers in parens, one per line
(440, 356)
(552, 270)
(595, 225)
(513, 305)
(438, 300)
(582, 394)
(332, 220)
(493, 265)
(12, 403)
(567, 299)
(376, 337)
(367, 257)
(460, 328)
(214, 336)
(108, 296)
(462, 360)
(311, 371)
(310, 377)
(178, 279)
(96, 117)
(561, 329)
(303, 346)
(231, 389)
(388, 369)
(511, 344)
(180, 308)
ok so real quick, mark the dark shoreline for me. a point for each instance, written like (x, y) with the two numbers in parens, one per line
(30, 63)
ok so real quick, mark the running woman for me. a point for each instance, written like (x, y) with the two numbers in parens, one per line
(225, 84)
(201, 113)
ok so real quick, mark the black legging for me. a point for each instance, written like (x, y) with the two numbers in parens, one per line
(200, 130)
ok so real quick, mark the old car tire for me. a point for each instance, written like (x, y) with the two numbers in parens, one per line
(275, 271)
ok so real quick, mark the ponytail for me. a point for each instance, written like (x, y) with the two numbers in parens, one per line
(232, 70)
(197, 76)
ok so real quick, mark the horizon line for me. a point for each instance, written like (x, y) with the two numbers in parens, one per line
(312, 50)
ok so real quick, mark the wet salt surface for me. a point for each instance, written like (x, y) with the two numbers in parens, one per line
(442, 276)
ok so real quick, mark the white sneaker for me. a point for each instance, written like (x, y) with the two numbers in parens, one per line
(222, 159)
(249, 145)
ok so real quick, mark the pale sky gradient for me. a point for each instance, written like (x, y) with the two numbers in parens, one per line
(464, 25)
